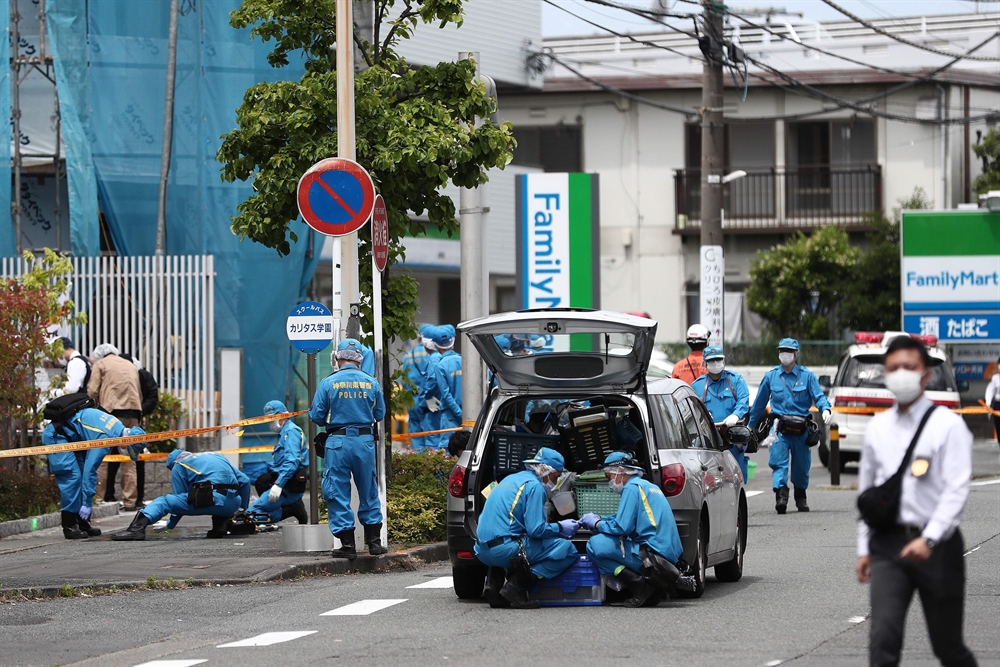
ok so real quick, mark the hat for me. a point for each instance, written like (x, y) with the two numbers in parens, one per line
(349, 349)
(274, 408)
(448, 329)
(549, 457)
(175, 456)
(444, 336)
(713, 352)
(622, 460)
(67, 343)
(788, 344)
(103, 350)
(423, 329)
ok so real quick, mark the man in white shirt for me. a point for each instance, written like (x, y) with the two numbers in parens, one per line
(923, 552)
(77, 368)
(993, 400)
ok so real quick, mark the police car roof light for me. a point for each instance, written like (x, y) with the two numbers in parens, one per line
(929, 341)
(862, 337)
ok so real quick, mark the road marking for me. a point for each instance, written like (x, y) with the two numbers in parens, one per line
(976, 548)
(172, 663)
(362, 608)
(268, 638)
(440, 582)
(986, 483)
(751, 494)
(857, 619)
(772, 663)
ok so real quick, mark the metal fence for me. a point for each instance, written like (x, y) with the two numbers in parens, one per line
(159, 309)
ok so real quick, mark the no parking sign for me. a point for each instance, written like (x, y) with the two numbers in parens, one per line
(336, 196)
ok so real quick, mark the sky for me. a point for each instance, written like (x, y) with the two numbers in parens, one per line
(557, 23)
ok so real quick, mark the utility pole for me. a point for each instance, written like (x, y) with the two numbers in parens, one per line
(168, 130)
(15, 105)
(349, 280)
(712, 166)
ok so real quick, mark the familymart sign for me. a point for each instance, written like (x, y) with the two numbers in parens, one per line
(558, 241)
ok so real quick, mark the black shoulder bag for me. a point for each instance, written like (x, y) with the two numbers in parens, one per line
(879, 505)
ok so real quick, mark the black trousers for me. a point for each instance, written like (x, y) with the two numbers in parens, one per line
(940, 580)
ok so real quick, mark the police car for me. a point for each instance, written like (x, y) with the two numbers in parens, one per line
(860, 383)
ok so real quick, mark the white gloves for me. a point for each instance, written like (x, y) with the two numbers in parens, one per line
(433, 404)
(274, 493)
(731, 420)
(827, 416)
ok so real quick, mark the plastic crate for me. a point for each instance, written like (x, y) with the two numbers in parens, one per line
(596, 498)
(589, 445)
(580, 585)
(511, 449)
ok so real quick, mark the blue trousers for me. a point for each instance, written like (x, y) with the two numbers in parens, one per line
(347, 455)
(275, 510)
(69, 479)
(431, 421)
(742, 459)
(254, 469)
(548, 557)
(177, 505)
(416, 425)
(789, 448)
(610, 552)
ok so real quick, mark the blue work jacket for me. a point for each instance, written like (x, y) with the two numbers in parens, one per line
(415, 366)
(726, 396)
(644, 516)
(790, 392)
(289, 454)
(209, 467)
(516, 508)
(349, 397)
(448, 374)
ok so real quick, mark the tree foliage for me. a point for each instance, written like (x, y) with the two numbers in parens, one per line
(989, 152)
(415, 132)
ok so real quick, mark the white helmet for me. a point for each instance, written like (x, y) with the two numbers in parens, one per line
(697, 333)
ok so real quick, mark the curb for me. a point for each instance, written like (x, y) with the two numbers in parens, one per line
(51, 520)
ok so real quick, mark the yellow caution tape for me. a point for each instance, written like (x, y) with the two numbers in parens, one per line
(420, 434)
(121, 458)
(981, 409)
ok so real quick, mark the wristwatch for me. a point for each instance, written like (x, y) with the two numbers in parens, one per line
(930, 543)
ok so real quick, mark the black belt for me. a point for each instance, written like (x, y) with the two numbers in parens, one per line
(343, 431)
(909, 530)
(497, 541)
(225, 487)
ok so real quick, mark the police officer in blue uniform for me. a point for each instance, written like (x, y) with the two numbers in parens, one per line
(226, 491)
(428, 402)
(726, 396)
(448, 378)
(290, 454)
(643, 519)
(513, 533)
(347, 404)
(792, 390)
(76, 472)
(415, 367)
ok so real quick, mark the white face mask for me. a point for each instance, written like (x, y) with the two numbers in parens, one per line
(275, 426)
(716, 366)
(616, 486)
(786, 358)
(905, 385)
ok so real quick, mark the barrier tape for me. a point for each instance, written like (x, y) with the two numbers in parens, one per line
(982, 409)
(148, 437)
(257, 449)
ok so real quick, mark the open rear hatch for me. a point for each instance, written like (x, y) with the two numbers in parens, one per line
(538, 351)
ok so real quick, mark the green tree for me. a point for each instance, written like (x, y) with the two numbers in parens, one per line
(872, 302)
(989, 152)
(415, 132)
(797, 285)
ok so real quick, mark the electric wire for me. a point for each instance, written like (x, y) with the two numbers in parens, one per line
(648, 13)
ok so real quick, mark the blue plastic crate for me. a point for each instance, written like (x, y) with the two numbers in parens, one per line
(580, 585)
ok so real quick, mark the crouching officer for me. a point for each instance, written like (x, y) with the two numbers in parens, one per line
(76, 472)
(643, 529)
(203, 484)
(726, 396)
(280, 492)
(792, 390)
(514, 535)
(347, 404)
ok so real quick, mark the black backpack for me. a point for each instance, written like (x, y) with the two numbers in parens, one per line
(60, 410)
(150, 391)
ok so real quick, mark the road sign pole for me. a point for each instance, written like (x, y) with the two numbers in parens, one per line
(311, 434)
(346, 149)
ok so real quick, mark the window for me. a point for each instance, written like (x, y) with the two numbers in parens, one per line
(668, 423)
(691, 431)
(830, 167)
(556, 148)
(711, 434)
(869, 372)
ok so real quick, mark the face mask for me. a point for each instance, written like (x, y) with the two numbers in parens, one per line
(786, 358)
(550, 484)
(275, 426)
(904, 384)
(716, 366)
(616, 486)
(62, 362)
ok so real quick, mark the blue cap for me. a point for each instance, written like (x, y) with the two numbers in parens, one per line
(623, 459)
(788, 344)
(444, 335)
(274, 408)
(448, 329)
(713, 352)
(424, 328)
(350, 349)
(549, 457)
(175, 455)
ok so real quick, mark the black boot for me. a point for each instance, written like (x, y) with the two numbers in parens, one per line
(495, 578)
(347, 549)
(638, 586)
(297, 510)
(87, 528)
(781, 499)
(800, 500)
(136, 531)
(220, 527)
(373, 538)
(515, 591)
(71, 529)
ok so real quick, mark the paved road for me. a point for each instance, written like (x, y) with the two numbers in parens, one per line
(798, 604)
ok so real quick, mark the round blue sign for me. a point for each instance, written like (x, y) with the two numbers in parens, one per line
(310, 327)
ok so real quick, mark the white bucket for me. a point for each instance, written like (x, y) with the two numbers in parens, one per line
(564, 503)
(306, 537)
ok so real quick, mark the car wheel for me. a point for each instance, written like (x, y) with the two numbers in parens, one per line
(701, 566)
(468, 582)
(733, 570)
(824, 454)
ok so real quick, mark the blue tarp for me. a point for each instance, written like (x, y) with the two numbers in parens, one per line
(7, 244)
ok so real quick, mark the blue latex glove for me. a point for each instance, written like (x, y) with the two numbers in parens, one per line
(568, 527)
(590, 520)
(85, 512)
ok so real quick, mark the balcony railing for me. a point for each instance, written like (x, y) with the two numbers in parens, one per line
(773, 199)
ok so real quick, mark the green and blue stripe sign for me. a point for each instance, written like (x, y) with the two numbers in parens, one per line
(558, 241)
(950, 274)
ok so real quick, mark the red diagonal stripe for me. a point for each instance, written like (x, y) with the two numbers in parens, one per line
(336, 197)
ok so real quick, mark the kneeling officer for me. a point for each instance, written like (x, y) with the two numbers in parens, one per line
(203, 484)
(643, 529)
(513, 532)
(283, 498)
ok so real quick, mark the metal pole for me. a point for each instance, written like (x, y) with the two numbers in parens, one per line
(834, 454)
(168, 130)
(311, 434)
(58, 169)
(712, 149)
(15, 109)
(350, 288)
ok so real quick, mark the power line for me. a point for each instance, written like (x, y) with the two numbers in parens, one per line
(648, 13)
(901, 40)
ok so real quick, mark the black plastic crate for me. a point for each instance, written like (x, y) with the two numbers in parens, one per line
(589, 445)
(511, 449)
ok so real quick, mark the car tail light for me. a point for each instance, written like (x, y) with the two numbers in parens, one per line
(864, 401)
(465, 554)
(929, 341)
(673, 479)
(456, 482)
(861, 337)
(948, 403)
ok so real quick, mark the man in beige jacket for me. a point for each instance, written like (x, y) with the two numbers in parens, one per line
(114, 384)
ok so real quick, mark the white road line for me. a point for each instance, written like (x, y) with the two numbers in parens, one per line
(440, 582)
(857, 619)
(268, 638)
(751, 494)
(362, 608)
(171, 663)
(772, 663)
(986, 483)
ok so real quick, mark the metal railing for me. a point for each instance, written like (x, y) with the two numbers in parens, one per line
(785, 198)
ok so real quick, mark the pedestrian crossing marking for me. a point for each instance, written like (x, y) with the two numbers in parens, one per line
(985, 483)
(751, 494)
(440, 582)
(269, 638)
(362, 608)
(172, 663)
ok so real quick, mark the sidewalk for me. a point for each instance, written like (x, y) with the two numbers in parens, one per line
(44, 561)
